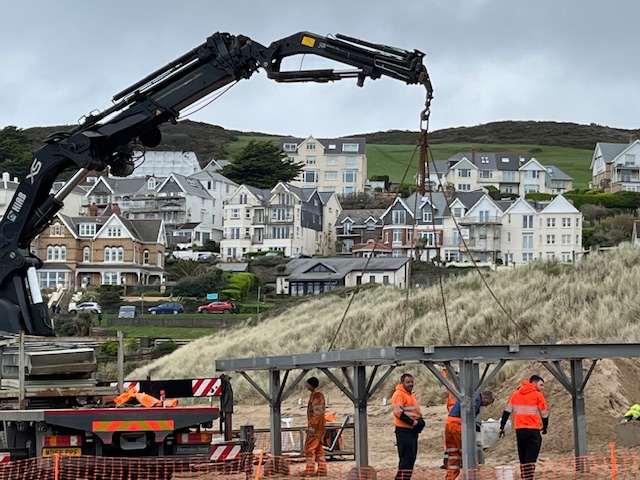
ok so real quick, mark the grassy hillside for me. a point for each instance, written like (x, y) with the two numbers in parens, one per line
(563, 134)
(568, 146)
(392, 160)
(596, 299)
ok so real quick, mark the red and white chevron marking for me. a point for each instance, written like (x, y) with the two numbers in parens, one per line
(206, 387)
(127, 386)
(5, 457)
(225, 452)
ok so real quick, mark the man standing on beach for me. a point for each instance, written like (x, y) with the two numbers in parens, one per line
(409, 423)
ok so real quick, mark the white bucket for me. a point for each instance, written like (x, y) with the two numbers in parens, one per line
(490, 433)
(506, 472)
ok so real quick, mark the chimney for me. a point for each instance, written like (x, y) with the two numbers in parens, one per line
(93, 210)
(473, 155)
(116, 209)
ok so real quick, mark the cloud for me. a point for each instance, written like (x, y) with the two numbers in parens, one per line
(489, 60)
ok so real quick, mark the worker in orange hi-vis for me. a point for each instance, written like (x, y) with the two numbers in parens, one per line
(530, 420)
(316, 427)
(451, 401)
(409, 423)
(453, 434)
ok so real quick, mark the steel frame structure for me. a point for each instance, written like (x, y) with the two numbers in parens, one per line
(359, 384)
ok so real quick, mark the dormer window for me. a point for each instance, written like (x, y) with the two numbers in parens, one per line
(289, 147)
(87, 229)
(151, 183)
(350, 147)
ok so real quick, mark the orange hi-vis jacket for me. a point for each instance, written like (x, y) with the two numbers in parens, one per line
(528, 407)
(407, 403)
(451, 398)
(144, 399)
(315, 412)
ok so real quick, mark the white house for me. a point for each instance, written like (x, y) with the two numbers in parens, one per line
(331, 165)
(615, 167)
(546, 230)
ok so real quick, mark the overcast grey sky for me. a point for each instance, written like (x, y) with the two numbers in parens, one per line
(489, 60)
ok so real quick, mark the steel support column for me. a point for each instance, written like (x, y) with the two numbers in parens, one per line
(360, 418)
(469, 376)
(579, 416)
(275, 417)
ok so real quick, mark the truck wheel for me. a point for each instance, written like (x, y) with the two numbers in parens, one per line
(175, 312)
(72, 312)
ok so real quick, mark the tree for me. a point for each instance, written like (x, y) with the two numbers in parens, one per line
(15, 153)
(613, 230)
(261, 164)
(211, 281)
(185, 268)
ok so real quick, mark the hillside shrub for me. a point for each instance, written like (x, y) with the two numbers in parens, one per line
(621, 201)
(109, 300)
(154, 293)
(539, 196)
(73, 326)
(164, 348)
(109, 348)
(199, 286)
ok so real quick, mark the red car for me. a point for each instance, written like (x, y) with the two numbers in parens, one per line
(218, 307)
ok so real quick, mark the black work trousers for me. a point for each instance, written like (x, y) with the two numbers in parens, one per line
(529, 443)
(407, 442)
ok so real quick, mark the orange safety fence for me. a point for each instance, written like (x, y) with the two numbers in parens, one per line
(615, 465)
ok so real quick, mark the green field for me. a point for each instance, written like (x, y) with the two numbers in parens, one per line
(392, 160)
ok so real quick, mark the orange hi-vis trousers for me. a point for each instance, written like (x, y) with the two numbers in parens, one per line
(453, 446)
(314, 453)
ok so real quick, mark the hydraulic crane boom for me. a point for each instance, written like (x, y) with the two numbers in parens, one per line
(108, 139)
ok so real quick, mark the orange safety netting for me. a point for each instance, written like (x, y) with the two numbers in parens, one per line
(613, 465)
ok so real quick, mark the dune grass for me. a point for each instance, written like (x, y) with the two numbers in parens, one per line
(597, 299)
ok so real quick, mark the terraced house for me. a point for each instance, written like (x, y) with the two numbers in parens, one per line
(470, 226)
(509, 172)
(287, 219)
(101, 250)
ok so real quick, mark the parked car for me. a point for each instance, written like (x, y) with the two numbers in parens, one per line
(128, 311)
(90, 307)
(218, 307)
(169, 307)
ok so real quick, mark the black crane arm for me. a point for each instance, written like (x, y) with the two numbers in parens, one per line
(109, 138)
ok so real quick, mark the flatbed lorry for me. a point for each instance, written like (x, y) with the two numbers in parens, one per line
(57, 407)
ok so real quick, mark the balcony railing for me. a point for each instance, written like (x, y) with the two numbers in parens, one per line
(477, 220)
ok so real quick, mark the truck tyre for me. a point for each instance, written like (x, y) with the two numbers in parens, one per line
(73, 312)
(175, 312)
